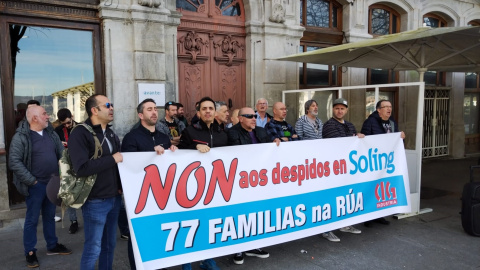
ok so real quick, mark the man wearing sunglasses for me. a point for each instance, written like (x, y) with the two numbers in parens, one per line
(101, 209)
(278, 129)
(247, 132)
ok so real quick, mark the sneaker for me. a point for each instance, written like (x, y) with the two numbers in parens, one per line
(260, 253)
(32, 261)
(59, 249)
(350, 229)
(73, 227)
(124, 237)
(209, 264)
(330, 237)
(238, 258)
(58, 219)
(187, 266)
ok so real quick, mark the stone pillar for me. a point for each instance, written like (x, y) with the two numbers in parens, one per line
(76, 105)
(70, 101)
(138, 49)
(457, 129)
(55, 106)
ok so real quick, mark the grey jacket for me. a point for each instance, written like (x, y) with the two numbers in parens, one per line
(162, 126)
(19, 158)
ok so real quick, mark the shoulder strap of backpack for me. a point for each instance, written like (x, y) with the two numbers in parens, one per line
(98, 145)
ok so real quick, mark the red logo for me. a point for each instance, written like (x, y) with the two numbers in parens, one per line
(385, 194)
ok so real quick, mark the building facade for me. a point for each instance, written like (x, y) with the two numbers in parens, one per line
(225, 49)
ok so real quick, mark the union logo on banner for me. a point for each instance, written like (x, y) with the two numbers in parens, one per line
(385, 194)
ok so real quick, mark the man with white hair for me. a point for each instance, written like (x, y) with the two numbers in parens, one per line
(262, 116)
(34, 153)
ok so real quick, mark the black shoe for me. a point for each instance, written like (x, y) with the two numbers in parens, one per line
(382, 221)
(124, 237)
(238, 258)
(32, 261)
(367, 224)
(73, 227)
(260, 253)
(59, 249)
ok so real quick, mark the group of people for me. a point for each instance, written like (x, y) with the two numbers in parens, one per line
(36, 148)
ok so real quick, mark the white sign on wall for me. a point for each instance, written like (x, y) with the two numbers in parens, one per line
(155, 91)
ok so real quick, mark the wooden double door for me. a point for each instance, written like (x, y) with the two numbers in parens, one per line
(211, 54)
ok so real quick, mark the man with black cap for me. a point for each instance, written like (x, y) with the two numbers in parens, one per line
(337, 127)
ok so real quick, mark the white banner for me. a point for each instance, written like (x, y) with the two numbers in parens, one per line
(186, 206)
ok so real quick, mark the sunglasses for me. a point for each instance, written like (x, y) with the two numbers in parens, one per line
(249, 116)
(108, 105)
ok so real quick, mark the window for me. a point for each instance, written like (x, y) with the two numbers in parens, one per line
(471, 104)
(383, 20)
(322, 20)
(320, 13)
(381, 76)
(218, 7)
(433, 77)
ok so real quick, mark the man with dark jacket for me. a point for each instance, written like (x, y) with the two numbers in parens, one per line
(34, 153)
(204, 135)
(100, 211)
(380, 122)
(247, 132)
(170, 125)
(338, 127)
(278, 129)
(145, 138)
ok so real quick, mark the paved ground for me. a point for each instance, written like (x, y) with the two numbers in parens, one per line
(430, 241)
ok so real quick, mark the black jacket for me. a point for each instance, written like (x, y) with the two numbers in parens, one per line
(199, 133)
(60, 130)
(237, 135)
(141, 139)
(81, 146)
(373, 125)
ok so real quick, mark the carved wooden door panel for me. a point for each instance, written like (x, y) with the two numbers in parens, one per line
(211, 53)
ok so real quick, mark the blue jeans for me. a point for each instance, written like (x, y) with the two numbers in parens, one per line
(100, 217)
(38, 202)
(72, 213)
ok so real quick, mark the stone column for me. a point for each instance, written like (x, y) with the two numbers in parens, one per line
(76, 105)
(136, 52)
(70, 101)
(55, 106)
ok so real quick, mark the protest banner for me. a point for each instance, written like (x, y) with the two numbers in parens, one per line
(186, 206)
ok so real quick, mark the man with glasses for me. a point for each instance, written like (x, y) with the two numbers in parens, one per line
(380, 122)
(101, 209)
(65, 119)
(278, 129)
(247, 132)
(262, 116)
(170, 125)
(337, 127)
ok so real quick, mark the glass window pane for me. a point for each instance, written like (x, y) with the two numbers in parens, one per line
(471, 80)
(379, 76)
(301, 12)
(430, 78)
(380, 21)
(187, 5)
(227, 9)
(431, 22)
(394, 24)
(318, 13)
(334, 17)
(55, 67)
(471, 113)
(317, 74)
(334, 75)
(370, 100)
